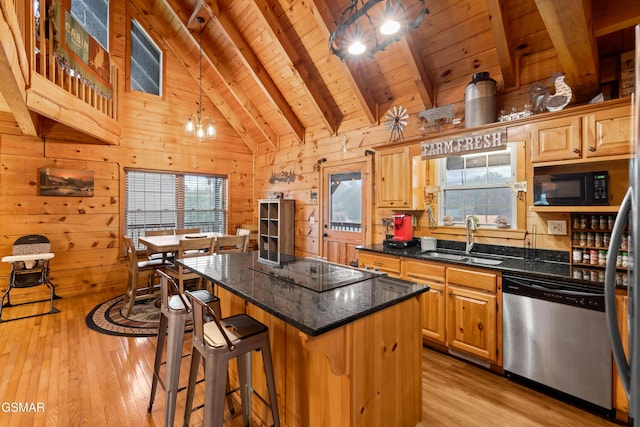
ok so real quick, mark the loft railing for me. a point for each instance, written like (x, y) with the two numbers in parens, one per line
(45, 64)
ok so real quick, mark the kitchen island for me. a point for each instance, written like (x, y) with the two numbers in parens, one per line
(346, 343)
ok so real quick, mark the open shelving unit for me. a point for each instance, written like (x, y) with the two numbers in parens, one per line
(275, 229)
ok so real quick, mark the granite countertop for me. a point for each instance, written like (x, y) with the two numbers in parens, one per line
(543, 264)
(286, 290)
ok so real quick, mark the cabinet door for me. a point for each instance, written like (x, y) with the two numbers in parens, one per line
(608, 132)
(433, 313)
(620, 401)
(557, 139)
(471, 320)
(382, 263)
(393, 178)
(433, 302)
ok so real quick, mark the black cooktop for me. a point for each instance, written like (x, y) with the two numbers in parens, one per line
(316, 275)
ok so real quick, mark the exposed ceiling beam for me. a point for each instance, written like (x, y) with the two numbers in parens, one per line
(569, 26)
(12, 83)
(502, 40)
(166, 25)
(612, 16)
(298, 65)
(359, 87)
(419, 72)
(225, 25)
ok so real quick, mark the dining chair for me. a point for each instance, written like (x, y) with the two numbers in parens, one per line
(188, 231)
(137, 267)
(190, 248)
(251, 231)
(159, 255)
(231, 244)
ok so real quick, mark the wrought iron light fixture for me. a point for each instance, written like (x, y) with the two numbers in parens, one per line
(363, 27)
(201, 127)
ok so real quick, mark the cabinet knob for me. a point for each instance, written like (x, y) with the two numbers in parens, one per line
(576, 150)
(450, 293)
(324, 234)
(592, 148)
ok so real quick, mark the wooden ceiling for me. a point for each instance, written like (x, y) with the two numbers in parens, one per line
(268, 69)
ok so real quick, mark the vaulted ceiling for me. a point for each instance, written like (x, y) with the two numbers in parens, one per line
(268, 70)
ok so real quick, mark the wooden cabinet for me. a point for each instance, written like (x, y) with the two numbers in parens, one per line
(400, 179)
(275, 228)
(434, 301)
(586, 137)
(620, 401)
(383, 263)
(461, 309)
(473, 317)
(557, 139)
(393, 178)
(607, 132)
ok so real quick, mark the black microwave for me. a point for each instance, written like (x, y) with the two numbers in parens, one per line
(573, 189)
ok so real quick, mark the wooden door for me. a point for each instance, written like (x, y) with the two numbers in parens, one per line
(345, 210)
(472, 322)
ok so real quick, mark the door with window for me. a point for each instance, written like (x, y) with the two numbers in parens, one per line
(344, 211)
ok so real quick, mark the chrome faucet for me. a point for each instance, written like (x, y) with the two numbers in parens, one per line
(472, 225)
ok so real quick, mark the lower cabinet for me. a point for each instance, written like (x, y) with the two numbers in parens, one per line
(434, 301)
(383, 263)
(620, 401)
(461, 310)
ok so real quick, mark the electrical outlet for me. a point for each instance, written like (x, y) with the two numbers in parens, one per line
(557, 227)
(312, 219)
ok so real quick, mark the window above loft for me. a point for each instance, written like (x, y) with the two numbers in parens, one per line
(93, 15)
(146, 62)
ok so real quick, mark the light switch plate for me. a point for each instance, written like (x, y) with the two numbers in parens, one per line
(557, 227)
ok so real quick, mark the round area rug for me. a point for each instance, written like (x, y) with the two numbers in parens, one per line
(106, 318)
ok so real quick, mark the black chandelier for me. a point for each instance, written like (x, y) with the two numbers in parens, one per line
(363, 27)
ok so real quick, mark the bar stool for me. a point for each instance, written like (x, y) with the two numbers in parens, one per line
(174, 312)
(217, 342)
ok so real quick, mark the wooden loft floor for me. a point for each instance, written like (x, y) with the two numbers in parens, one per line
(86, 378)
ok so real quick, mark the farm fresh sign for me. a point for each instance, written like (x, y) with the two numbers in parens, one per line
(491, 140)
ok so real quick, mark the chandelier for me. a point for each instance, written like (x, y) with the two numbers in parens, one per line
(201, 127)
(363, 27)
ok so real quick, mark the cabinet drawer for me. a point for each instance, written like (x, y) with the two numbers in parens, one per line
(386, 264)
(423, 271)
(472, 279)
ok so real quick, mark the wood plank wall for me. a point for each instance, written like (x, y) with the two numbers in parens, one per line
(86, 232)
(301, 160)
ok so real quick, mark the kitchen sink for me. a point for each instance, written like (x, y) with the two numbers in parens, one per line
(461, 258)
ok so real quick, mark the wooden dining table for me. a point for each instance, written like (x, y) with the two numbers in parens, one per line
(171, 242)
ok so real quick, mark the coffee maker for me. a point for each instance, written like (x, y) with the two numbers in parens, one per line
(402, 232)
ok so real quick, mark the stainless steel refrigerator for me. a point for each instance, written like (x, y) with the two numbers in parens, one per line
(628, 223)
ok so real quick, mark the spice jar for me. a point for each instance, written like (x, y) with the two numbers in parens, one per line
(595, 222)
(597, 239)
(603, 223)
(577, 255)
(602, 257)
(593, 257)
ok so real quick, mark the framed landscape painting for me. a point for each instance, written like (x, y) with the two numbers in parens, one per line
(65, 182)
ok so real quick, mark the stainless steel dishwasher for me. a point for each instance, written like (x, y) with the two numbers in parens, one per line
(555, 335)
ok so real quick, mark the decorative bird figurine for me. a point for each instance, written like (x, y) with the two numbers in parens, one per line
(542, 100)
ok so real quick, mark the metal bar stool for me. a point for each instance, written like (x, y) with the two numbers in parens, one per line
(174, 312)
(217, 342)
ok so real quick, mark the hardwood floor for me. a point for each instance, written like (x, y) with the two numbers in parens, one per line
(69, 375)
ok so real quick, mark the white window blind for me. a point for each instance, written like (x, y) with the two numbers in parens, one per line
(146, 61)
(157, 200)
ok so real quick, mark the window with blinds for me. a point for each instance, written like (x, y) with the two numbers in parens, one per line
(157, 200)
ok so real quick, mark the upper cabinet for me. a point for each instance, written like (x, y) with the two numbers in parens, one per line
(584, 137)
(558, 139)
(400, 179)
(607, 132)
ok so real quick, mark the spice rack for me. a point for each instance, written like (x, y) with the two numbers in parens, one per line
(590, 236)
